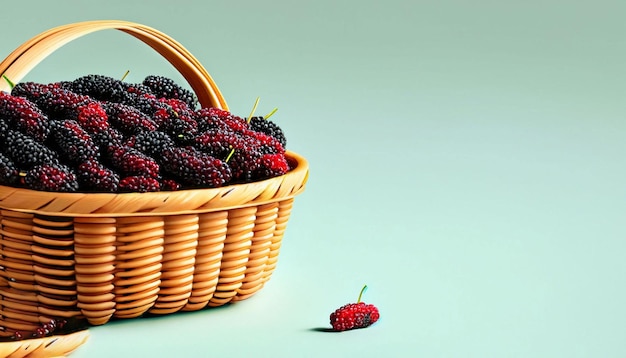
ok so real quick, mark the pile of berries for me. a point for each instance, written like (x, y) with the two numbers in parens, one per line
(100, 134)
(46, 328)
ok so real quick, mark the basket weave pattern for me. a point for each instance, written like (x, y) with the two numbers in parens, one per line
(99, 256)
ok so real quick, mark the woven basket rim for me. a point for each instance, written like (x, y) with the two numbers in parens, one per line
(160, 203)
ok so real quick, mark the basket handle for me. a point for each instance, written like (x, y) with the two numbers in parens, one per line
(32, 52)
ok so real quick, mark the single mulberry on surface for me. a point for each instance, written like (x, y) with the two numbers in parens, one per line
(51, 177)
(353, 316)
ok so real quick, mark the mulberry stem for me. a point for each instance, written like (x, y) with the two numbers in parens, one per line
(361, 293)
(256, 103)
(232, 151)
(125, 74)
(271, 113)
(11, 84)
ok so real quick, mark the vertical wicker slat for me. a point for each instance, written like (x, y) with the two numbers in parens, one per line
(94, 253)
(181, 240)
(212, 228)
(284, 211)
(263, 233)
(235, 254)
(138, 269)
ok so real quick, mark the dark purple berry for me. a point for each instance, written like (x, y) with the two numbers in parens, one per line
(8, 171)
(51, 177)
(106, 138)
(195, 168)
(26, 152)
(163, 87)
(94, 176)
(102, 88)
(151, 143)
(74, 143)
(260, 124)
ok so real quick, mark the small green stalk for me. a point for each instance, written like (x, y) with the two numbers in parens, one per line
(125, 74)
(232, 151)
(361, 293)
(256, 103)
(11, 84)
(271, 113)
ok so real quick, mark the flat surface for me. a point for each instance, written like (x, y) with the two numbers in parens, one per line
(467, 163)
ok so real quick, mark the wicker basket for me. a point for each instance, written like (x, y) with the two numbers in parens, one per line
(103, 256)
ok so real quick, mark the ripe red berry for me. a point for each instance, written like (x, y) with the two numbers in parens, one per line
(354, 315)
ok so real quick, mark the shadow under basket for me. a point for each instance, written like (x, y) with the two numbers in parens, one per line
(100, 256)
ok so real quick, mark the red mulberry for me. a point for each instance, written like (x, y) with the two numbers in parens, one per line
(24, 116)
(138, 184)
(130, 162)
(51, 177)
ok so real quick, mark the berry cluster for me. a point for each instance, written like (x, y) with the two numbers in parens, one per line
(100, 134)
(50, 327)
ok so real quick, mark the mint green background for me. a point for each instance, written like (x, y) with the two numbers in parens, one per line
(467, 163)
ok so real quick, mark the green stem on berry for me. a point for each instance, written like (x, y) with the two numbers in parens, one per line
(256, 103)
(125, 74)
(232, 151)
(361, 293)
(271, 113)
(11, 84)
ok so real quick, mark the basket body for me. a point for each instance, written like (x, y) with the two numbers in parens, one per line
(98, 265)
